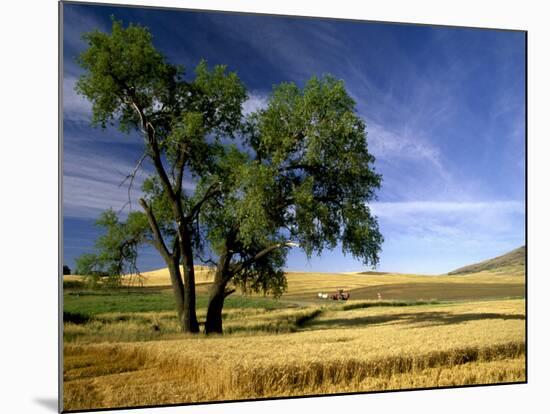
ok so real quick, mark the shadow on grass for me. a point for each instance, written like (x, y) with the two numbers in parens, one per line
(417, 319)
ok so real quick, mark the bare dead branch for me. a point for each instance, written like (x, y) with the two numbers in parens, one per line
(209, 260)
(132, 177)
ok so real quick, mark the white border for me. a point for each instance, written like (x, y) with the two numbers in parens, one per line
(28, 168)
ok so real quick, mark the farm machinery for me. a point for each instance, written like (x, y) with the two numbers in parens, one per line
(338, 295)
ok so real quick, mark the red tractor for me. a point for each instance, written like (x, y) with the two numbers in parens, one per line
(339, 295)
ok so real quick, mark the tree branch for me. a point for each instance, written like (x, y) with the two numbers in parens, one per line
(180, 163)
(293, 167)
(131, 177)
(149, 131)
(212, 190)
(161, 246)
(262, 253)
(203, 260)
(176, 247)
(165, 180)
(228, 292)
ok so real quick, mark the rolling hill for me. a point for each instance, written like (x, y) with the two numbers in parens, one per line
(161, 277)
(502, 276)
(513, 261)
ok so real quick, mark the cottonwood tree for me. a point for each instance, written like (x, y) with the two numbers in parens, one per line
(304, 179)
(300, 176)
(130, 84)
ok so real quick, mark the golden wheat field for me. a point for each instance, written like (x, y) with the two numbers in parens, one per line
(306, 346)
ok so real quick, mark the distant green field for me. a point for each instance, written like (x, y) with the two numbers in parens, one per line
(90, 303)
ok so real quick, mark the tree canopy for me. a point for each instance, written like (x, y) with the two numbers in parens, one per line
(297, 173)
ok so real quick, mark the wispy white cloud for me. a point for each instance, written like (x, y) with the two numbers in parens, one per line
(392, 209)
(75, 106)
(407, 119)
(92, 184)
(76, 22)
(452, 223)
(275, 40)
(386, 143)
(254, 102)
(87, 197)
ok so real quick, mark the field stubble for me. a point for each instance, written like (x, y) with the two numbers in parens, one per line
(367, 348)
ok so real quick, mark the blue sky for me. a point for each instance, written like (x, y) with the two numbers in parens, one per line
(444, 109)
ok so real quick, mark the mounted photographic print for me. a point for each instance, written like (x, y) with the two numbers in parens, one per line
(259, 206)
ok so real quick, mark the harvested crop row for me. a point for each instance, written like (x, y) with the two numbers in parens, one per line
(193, 380)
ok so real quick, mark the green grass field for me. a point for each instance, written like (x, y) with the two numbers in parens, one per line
(122, 300)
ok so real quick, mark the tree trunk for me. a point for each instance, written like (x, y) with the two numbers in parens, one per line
(189, 316)
(186, 314)
(218, 295)
(190, 322)
(215, 306)
(177, 288)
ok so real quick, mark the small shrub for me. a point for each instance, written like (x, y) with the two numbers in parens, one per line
(75, 317)
(73, 284)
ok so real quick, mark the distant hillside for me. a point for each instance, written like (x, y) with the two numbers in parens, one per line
(159, 277)
(514, 260)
